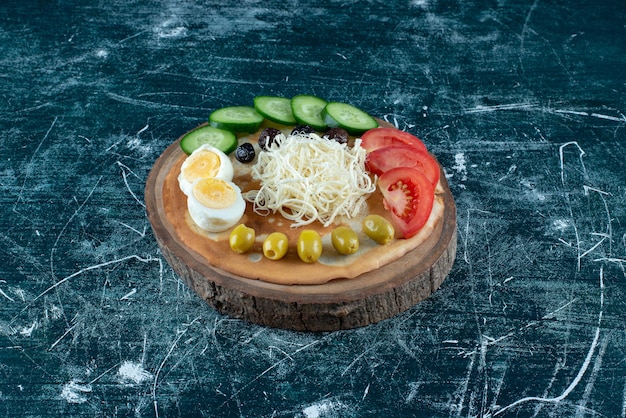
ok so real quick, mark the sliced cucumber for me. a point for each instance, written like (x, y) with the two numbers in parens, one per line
(223, 140)
(348, 117)
(307, 110)
(276, 109)
(236, 119)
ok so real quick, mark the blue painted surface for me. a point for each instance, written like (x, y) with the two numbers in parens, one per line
(523, 102)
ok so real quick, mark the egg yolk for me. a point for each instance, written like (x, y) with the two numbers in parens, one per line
(214, 193)
(201, 165)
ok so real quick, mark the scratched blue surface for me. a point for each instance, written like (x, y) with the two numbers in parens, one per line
(522, 101)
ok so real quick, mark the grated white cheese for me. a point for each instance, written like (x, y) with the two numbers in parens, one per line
(306, 178)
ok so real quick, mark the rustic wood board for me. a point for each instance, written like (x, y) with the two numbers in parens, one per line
(339, 304)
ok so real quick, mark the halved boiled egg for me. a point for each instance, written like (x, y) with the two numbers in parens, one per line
(215, 204)
(204, 162)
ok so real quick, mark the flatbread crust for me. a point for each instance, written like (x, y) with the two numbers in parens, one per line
(290, 270)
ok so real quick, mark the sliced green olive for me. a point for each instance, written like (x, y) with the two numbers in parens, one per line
(275, 246)
(309, 246)
(378, 229)
(242, 238)
(345, 240)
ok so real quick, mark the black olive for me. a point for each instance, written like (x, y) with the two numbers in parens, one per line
(267, 136)
(302, 130)
(245, 153)
(338, 134)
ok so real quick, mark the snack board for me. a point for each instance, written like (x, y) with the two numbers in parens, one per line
(335, 292)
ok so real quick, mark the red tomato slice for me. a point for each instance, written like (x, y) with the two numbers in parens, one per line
(384, 137)
(408, 194)
(384, 159)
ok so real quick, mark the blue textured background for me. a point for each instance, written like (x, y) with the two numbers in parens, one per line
(523, 102)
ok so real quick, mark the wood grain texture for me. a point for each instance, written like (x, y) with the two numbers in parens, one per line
(338, 304)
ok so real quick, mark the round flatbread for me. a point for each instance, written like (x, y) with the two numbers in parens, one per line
(337, 292)
(214, 247)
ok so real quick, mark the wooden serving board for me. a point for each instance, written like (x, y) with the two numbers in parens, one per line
(338, 304)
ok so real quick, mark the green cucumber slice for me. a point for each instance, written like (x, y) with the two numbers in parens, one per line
(236, 119)
(307, 110)
(276, 109)
(223, 140)
(348, 117)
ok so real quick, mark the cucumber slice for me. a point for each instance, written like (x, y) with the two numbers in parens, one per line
(236, 119)
(307, 110)
(225, 141)
(276, 109)
(348, 117)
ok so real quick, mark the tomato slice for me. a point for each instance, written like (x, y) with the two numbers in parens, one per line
(409, 196)
(384, 137)
(384, 159)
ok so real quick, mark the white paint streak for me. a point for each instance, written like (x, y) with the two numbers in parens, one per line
(145, 128)
(613, 118)
(624, 401)
(571, 112)
(123, 167)
(492, 341)
(141, 234)
(590, 250)
(147, 103)
(609, 221)
(69, 221)
(580, 373)
(581, 153)
(170, 29)
(322, 409)
(102, 53)
(423, 4)
(464, 388)
(535, 107)
(357, 359)
(74, 392)
(167, 356)
(512, 170)
(272, 367)
(30, 166)
(460, 165)
(510, 106)
(62, 336)
(90, 268)
(129, 294)
(621, 118)
(582, 410)
(560, 224)
(6, 296)
(27, 332)
(467, 231)
(133, 373)
(414, 390)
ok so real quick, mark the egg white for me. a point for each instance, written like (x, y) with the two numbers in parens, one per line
(225, 171)
(216, 220)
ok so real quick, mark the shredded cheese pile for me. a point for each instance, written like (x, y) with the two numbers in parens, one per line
(307, 178)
